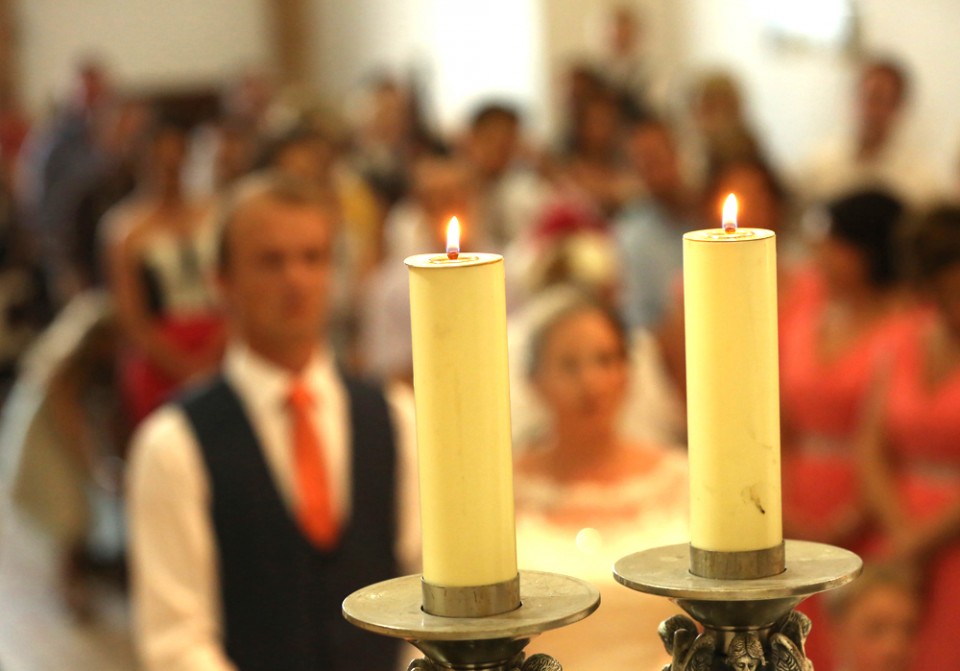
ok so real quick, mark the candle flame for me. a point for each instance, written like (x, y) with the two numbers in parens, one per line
(453, 238)
(730, 214)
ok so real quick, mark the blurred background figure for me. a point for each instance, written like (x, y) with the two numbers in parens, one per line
(837, 322)
(650, 230)
(118, 137)
(509, 192)
(625, 66)
(585, 492)
(250, 98)
(61, 447)
(592, 166)
(873, 621)
(876, 155)
(390, 135)
(838, 319)
(909, 442)
(721, 131)
(56, 163)
(159, 256)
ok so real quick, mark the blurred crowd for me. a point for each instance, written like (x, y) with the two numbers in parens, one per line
(108, 220)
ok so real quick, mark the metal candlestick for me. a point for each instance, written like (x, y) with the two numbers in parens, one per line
(475, 639)
(748, 623)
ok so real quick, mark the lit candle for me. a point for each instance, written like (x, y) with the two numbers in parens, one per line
(459, 329)
(733, 410)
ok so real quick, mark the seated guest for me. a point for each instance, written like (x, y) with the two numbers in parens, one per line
(509, 194)
(258, 503)
(587, 495)
(593, 167)
(911, 440)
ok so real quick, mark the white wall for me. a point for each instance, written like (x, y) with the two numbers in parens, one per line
(466, 50)
(150, 43)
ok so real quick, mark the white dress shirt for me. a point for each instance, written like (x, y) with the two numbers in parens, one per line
(835, 170)
(177, 613)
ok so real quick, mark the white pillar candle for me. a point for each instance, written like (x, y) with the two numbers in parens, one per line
(458, 316)
(733, 409)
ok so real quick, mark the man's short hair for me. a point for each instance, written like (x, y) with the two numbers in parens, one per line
(271, 185)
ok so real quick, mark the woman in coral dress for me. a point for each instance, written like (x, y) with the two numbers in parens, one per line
(838, 319)
(911, 444)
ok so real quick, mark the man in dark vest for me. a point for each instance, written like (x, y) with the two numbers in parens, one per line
(262, 499)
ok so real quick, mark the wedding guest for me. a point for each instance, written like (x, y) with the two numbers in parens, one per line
(509, 193)
(593, 166)
(874, 620)
(650, 229)
(259, 502)
(56, 162)
(625, 66)
(118, 139)
(837, 320)
(721, 132)
(581, 83)
(586, 494)
(875, 155)
(159, 254)
(391, 135)
(911, 439)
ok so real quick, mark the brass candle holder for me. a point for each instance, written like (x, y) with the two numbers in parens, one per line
(746, 613)
(473, 628)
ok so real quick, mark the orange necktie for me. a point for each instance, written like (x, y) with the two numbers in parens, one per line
(315, 512)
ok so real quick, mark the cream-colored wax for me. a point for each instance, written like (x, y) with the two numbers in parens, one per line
(458, 316)
(733, 410)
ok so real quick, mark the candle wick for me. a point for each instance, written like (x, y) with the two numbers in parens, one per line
(729, 227)
(453, 254)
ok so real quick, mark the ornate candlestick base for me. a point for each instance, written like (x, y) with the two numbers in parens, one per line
(492, 642)
(747, 624)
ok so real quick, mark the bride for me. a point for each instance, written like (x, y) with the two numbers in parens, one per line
(587, 495)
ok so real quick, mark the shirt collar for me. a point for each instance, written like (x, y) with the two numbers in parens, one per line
(263, 383)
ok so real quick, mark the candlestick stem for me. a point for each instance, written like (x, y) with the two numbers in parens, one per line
(746, 623)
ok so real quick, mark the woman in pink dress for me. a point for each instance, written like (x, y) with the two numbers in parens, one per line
(837, 319)
(911, 444)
